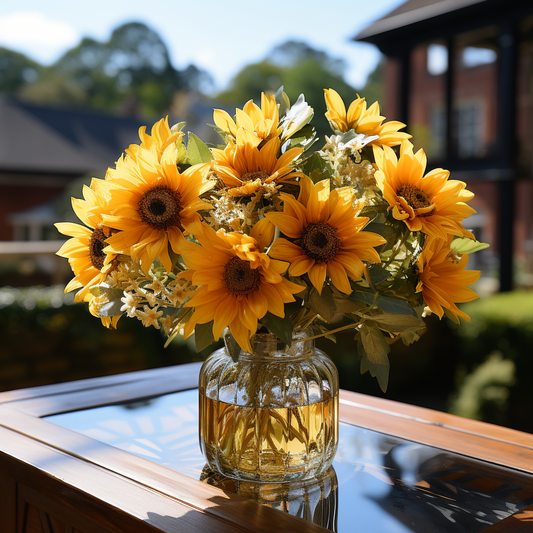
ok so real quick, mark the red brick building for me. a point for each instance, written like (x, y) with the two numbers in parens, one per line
(460, 74)
(42, 151)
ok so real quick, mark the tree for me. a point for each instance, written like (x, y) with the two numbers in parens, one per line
(300, 69)
(373, 88)
(132, 68)
(16, 70)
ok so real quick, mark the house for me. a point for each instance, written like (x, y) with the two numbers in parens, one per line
(460, 74)
(43, 151)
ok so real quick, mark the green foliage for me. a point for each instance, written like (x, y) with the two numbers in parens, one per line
(502, 322)
(16, 71)
(47, 338)
(203, 336)
(300, 69)
(484, 393)
(281, 327)
(250, 82)
(374, 354)
(132, 68)
(467, 246)
(197, 151)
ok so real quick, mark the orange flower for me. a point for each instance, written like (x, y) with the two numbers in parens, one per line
(362, 120)
(150, 204)
(85, 250)
(162, 142)
(443, 279)
(244, 168)
(324, 235)
(261, 122)
(238, 284)
(431, 203)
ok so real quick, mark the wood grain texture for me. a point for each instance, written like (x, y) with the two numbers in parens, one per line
(48, 510)
(175, 379)
(112, 490)
(438, 418)
(8, 499)
(95, 383)
(504, 447)
(84, 494)
(226, 510)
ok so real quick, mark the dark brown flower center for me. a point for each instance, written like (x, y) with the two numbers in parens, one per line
(252, 176)
(240, 278)
(416, 198)
(96, 248)
(319, 241)
(160, 207)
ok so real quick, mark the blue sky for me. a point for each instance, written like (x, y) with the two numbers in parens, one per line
(218, 36)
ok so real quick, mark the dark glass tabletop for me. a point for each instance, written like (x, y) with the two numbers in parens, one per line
(377, 482)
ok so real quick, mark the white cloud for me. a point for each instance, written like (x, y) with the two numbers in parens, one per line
(37, 35)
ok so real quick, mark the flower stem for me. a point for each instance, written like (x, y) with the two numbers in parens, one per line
(349, 326)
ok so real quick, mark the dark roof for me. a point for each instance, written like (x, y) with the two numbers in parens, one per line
(411, 12)
(47, 140)
(419, 21)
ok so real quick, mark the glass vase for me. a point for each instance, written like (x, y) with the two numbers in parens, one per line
(270, 415)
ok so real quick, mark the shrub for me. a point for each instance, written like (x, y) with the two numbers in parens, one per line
(502, 322)
(47, 338)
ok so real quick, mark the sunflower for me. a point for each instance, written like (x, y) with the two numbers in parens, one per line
(261, 122)
(150, 204)
(162, 142)
(238, 284)
(431, 203)
(362, 120)
(443, 280)
(85, 249)
(324, 235)
(244, 168)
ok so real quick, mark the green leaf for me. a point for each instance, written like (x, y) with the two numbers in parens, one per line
(396, 323)
(197, 150)
(283, 100)
(323, 304)
(411, 335)
(451, 316)
(467, 246)
(386, 231)
(389, 304)
(316, 168)
(304, 138)
(182, 153)
(378, 274)
(376, 349)
(111, 308)
(281, 327)
(203, 336)
(110, 293)
(178, 126)
(113, 297)
(232, 346)
(345, 305)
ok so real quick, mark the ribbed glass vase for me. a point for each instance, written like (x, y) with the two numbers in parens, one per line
(270, 415)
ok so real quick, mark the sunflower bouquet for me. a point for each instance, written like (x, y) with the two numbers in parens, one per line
(265, 232)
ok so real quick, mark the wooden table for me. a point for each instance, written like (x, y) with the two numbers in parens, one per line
(54, 479)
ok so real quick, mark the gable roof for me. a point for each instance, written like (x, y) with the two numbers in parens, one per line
(45, 140)
(412, 12)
